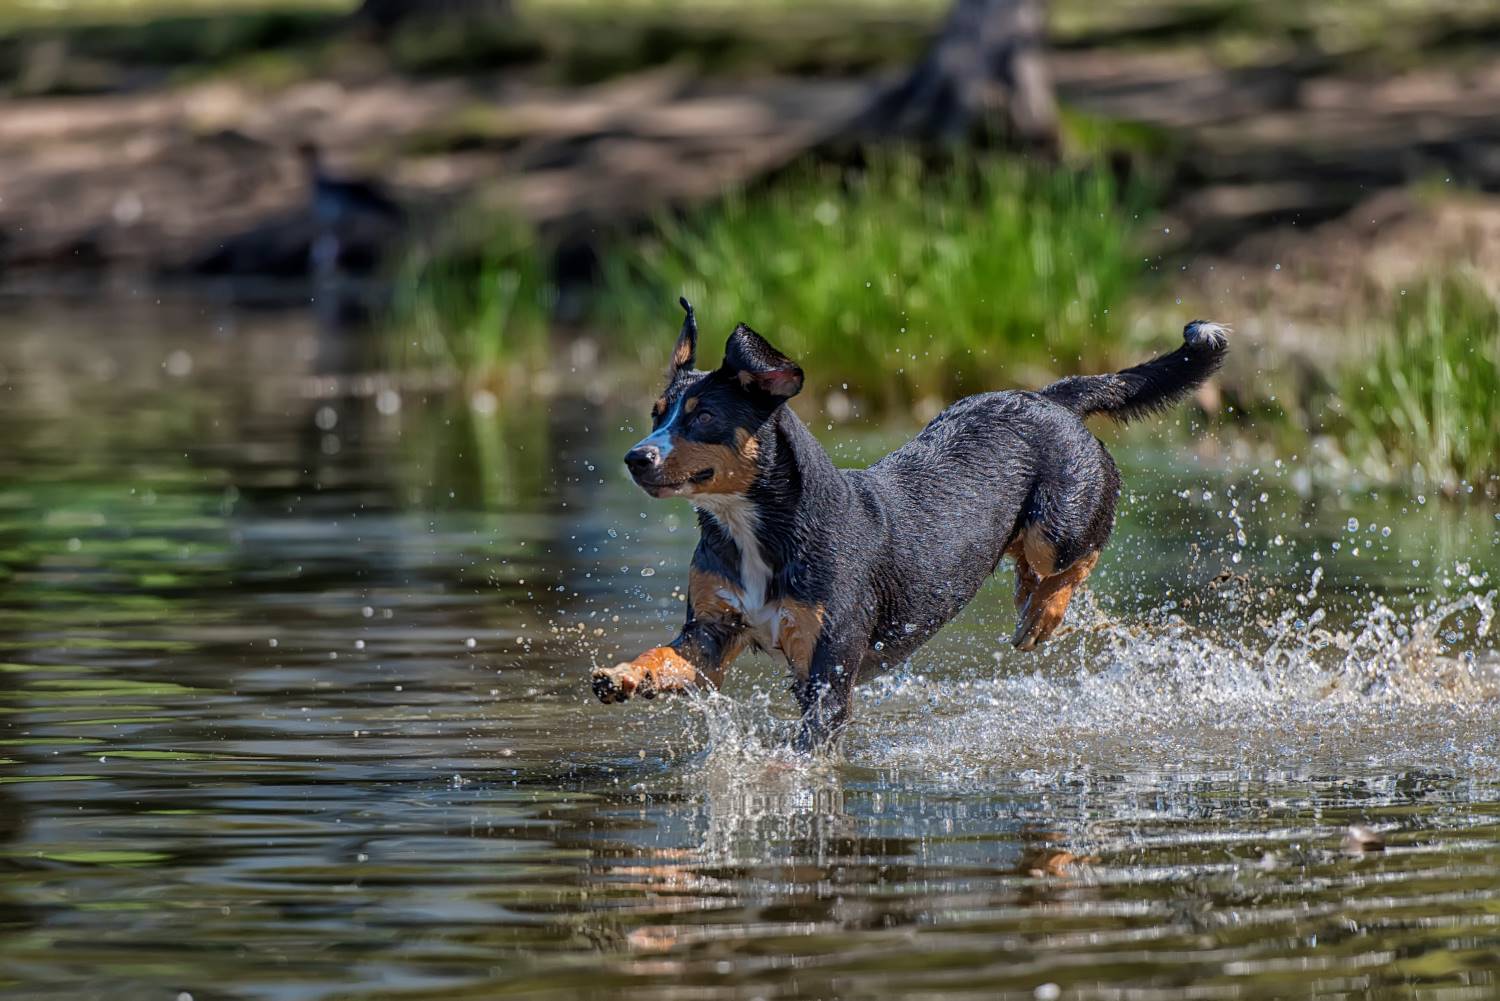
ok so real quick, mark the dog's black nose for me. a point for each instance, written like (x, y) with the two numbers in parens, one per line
(642, 459)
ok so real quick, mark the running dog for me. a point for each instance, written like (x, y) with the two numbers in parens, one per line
(845, 571)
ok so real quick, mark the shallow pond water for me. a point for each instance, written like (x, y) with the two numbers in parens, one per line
(294, 705)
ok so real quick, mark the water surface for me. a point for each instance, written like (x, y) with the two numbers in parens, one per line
(294, 705)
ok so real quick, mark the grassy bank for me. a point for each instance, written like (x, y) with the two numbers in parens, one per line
(1423, 403)
(893, 284)
(903, 286)
(898, 282)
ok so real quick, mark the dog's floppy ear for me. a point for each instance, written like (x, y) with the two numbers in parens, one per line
(687, 341)
(760, 367)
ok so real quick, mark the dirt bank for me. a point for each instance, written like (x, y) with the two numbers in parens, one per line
(167, 178)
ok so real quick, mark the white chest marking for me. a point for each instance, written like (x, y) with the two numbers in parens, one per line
(738, 517)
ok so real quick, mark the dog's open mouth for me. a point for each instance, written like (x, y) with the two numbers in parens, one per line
(668, 489)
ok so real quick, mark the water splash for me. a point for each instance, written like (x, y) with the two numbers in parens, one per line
(751, 789)
(1240, 688)
(1240, 692)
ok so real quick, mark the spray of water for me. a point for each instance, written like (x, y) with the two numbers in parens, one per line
(1233, 690)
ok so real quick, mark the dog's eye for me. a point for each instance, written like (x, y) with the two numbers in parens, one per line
(703, 419)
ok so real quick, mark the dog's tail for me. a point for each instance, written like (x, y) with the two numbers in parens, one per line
(1150, 387)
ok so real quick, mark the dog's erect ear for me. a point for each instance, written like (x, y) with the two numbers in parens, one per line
(760, 367)
(687, 341)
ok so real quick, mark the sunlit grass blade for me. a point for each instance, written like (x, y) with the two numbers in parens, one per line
(1424, 402)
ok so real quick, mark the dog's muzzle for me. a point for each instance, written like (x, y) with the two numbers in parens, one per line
(643, 461)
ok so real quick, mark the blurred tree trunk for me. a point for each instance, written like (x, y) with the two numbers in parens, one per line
(386, 14)
(985, 76)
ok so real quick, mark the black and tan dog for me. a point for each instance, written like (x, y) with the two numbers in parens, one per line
(843, 571)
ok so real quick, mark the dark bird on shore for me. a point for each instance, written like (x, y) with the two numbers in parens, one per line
(349, 212)
(336, 198)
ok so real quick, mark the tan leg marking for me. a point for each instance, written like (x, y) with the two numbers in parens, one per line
(711, 595)
(801, 625)
(1048, 603)
(713, 599)
(660, 669)
(1040, 554)
(664, 669)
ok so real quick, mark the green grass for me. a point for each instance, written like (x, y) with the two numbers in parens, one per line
(902, 281)
(1424, 403)
(897, 283)
(475, 302)
(907, 283)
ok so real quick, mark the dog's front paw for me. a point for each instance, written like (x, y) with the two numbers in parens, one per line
(622, 682)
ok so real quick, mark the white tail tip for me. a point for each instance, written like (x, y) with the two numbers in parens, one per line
(1206, 334)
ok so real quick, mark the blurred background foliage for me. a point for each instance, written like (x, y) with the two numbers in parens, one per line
(557, 171)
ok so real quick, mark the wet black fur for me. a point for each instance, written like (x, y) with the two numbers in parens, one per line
(894, 551)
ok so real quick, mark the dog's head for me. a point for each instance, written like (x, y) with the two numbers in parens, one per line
(704, 425)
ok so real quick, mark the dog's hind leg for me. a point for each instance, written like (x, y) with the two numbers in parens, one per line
(1067, 524)
(1026, 578)
(1048, 602)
